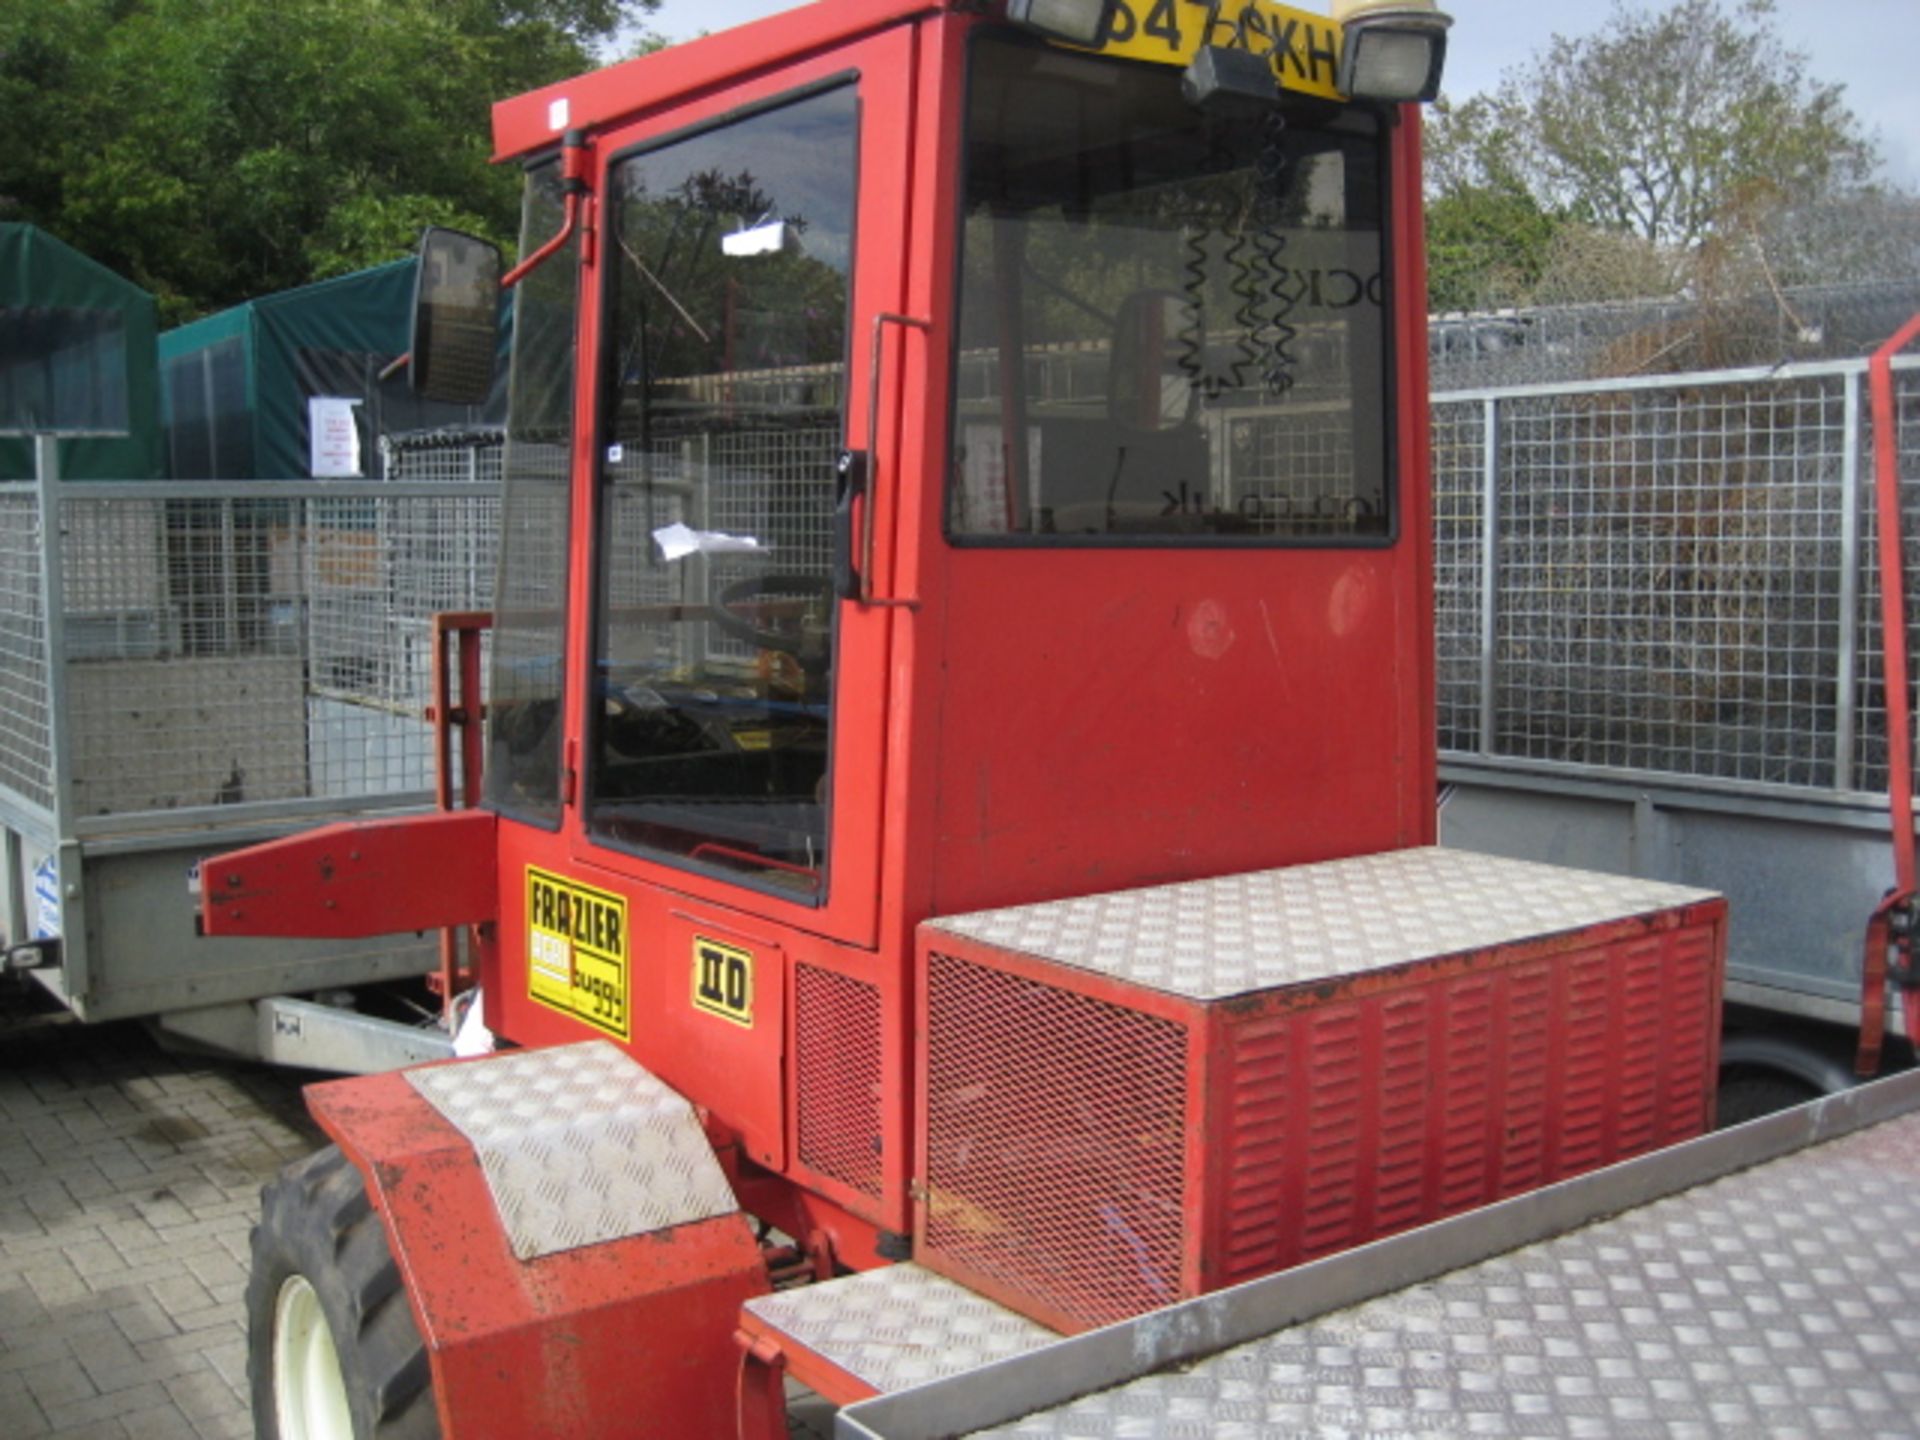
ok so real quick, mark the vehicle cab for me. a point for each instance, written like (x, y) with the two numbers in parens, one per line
(951, 464)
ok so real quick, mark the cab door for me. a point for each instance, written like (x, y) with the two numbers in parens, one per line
(734, 687)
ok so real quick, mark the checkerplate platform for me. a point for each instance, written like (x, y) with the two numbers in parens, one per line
(1772, 1302)
(1209, 939)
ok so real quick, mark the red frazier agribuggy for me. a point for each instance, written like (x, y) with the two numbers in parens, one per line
(958, 811)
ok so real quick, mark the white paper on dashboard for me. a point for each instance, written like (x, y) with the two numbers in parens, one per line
(677, 541)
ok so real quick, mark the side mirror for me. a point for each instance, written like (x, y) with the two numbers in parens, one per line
(456, 318)
(1147, 387)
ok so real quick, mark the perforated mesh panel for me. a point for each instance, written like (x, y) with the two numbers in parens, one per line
(837, 1064)
(1056, 1135)
(1329, 1115)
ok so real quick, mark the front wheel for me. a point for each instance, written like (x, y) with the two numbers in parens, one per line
(332, 1349)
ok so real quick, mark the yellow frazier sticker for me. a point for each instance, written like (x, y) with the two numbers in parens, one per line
(577, 952)
(1302, 48)
(723, 980)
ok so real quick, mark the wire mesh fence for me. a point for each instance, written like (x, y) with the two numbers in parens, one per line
(1681, 579)
(233, 645)
(1459, 454)
(456, 457)
(1682, 582)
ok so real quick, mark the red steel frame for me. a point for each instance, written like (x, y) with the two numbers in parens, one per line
(1034, 724)
(1881, 932)
(457, 707)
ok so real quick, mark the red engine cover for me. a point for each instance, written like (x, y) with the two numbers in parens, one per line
(1130, 1099)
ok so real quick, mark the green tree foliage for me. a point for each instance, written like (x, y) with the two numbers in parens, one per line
(1487, 247)
(217, 152)
(1619, 162)
(1488, 236)
(1655, 122)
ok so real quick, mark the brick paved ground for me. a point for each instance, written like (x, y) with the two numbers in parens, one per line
(129, 1179)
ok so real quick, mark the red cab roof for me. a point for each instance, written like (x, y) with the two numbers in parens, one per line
(537, 119)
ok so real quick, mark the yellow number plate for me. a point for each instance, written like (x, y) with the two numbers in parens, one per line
(577, 954)
(723, 980)
(1302, 48)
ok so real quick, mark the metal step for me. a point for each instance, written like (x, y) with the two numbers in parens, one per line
(886, 1330)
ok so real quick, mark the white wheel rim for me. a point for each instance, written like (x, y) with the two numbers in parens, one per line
(309, 1392)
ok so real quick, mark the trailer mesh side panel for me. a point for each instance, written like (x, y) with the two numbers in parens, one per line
(1056, 1163)
(1669, 580)
(26, 756)
(1459, 462)
(1686, 576)
(184, 628)
(837, 1077)
(240, 648)
(377, 576)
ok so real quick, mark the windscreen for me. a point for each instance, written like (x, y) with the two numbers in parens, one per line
(1172, 323)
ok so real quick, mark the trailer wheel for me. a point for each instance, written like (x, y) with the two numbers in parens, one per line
(1751, 1094)
(332, 1349)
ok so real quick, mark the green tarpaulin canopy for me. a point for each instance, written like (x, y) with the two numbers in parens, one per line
(77, 359)
(238, 384)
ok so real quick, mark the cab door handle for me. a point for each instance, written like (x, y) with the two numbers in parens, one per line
(850, 483)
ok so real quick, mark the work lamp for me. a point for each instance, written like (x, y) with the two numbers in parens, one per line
(1391, 49)
(1078, 22)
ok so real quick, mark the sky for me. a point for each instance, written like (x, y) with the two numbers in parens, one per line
(1870, 46)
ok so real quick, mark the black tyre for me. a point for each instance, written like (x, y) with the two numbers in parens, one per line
(332, 1349)
(1750, 1094)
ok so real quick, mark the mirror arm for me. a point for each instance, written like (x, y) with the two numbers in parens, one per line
(573, 162)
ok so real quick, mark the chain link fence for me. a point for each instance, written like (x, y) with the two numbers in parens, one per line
(1556, 344)
(1673, 576)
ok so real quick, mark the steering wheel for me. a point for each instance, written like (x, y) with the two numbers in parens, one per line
(785, 603)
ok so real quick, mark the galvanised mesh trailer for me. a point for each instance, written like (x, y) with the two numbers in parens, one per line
(187, 666)
(1660, 654)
